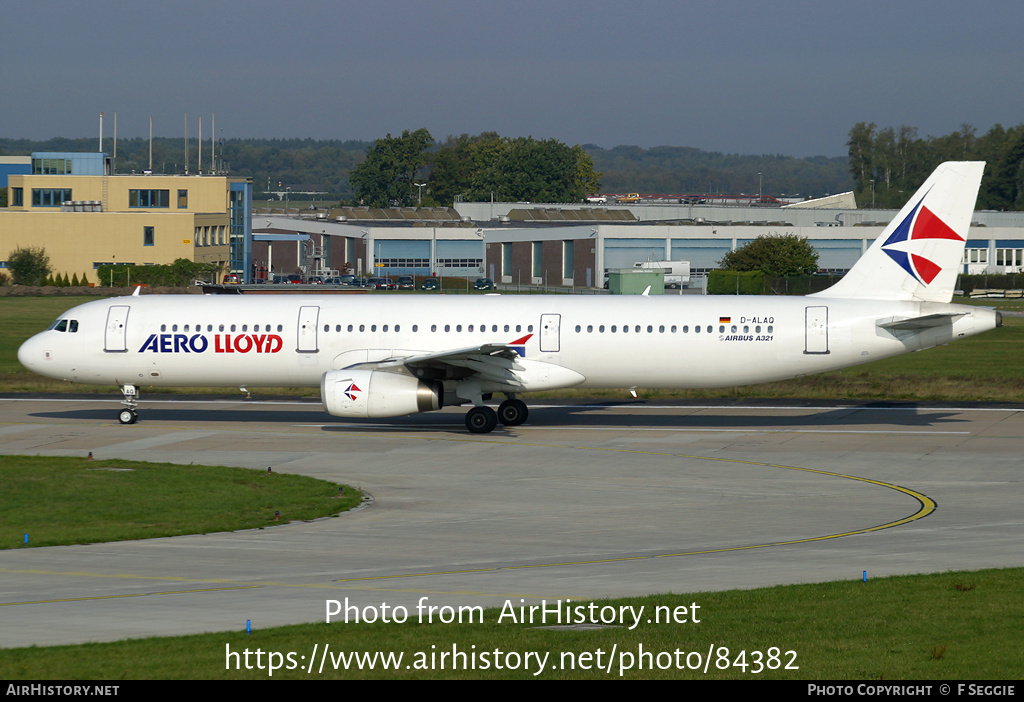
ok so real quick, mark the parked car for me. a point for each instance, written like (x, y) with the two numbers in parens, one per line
(406, 282)
(293, 278)
(231, 279)
(430, 284)
(483, 284)
(381, 284)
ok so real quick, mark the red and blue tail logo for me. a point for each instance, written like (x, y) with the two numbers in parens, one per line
(519, 345)
(920, 224)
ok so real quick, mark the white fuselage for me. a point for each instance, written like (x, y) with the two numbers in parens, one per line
(608, 341)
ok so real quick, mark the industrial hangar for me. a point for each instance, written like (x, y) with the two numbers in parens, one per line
(573, 245)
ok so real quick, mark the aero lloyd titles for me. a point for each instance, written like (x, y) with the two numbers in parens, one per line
(222, 343)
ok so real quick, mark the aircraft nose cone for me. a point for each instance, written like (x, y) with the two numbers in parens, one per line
(27, 355)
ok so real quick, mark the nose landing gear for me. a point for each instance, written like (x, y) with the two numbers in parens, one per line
(129, 415)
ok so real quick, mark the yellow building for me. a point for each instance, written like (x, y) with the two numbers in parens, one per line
(85, 221)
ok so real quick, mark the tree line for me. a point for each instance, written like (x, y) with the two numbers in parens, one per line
(896, 159)
(889, 164)
(474, 166)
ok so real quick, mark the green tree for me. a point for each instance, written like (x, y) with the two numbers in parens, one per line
(588, 180)
(535, 170)
(777, 254)
(861, 149)
(485, 166)
(29, 265)
(457, 164)
(538, 171)
(386, 176)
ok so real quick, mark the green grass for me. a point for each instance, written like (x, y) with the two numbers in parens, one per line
(986, 367)
(63, 500)
(949, 626)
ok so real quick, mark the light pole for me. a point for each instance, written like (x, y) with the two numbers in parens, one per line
(419, 198)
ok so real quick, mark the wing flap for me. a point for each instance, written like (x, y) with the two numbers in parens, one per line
(493, 362)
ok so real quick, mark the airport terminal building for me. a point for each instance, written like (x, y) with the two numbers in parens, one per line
(85, 215)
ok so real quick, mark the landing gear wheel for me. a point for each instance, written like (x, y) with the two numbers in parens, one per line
(481, 420)
(131, 400)
(512, 413)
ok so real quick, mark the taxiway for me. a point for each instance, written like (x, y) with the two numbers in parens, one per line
(584, 501)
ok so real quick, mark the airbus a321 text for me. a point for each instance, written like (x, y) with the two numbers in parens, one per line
(388, 356)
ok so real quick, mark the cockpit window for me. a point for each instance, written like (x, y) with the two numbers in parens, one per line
(65, 325)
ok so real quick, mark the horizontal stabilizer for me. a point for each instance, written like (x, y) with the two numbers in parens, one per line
(925, 322)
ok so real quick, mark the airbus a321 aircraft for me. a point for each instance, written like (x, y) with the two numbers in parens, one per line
(387, 356)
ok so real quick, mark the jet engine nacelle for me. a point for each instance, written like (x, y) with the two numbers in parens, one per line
(369, 393)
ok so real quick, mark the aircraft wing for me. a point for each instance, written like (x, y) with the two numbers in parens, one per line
(496, 362)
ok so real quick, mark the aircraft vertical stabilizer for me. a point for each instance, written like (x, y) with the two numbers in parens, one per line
(918, 255)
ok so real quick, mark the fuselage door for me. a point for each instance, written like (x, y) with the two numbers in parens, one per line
(307, 341)
(115, 338)
(549, 332)
(816, 330)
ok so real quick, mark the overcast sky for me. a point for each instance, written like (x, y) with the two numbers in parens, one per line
(789, 76)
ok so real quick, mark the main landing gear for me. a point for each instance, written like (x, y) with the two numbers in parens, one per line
(129, 415)
(482, 419)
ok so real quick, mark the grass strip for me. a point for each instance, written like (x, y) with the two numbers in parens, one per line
(948, 626)
(66, 500)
